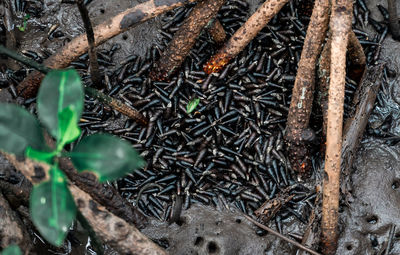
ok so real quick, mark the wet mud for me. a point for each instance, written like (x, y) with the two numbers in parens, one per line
(374, 183)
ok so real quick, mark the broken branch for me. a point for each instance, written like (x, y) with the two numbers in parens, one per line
(185, 38)
(340, 26)
(302, 95)
(244, 35)
(363, 102)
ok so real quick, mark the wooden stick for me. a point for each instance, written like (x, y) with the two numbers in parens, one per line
(281, 236)
(102, 32)
(113, 230)
(358, 62)
(354, 127)
(302, 95)
(183, 40)
(244, 35)
(340, 25)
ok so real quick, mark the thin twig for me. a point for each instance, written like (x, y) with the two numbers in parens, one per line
(390, 238)
(112, 102)
(94, 65)
(298, 245)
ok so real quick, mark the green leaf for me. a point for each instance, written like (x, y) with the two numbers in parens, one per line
(25, 23)
(68, 125)
(60, 89)
(107, 156)
(19, 129)
(12, 250)
(52, 207)
(192, 105)
(41, 156)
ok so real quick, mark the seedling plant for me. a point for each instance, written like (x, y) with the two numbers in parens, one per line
(59, 108)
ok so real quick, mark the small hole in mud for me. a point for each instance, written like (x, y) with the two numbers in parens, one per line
(349, 247)
(261, 232)
(181, 221)
(199, 240)
(102, 11)
(124, 37)
(373, 219)
(212, 247)
(218, 223)
(163, 242)
(238, 221)
(396, 184)
(374, 241)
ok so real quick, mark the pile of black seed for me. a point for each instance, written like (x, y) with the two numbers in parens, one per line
(230, 150)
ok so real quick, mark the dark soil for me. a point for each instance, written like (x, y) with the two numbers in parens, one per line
(215, 194)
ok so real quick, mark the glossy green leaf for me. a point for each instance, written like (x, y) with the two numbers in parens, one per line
(68, 125)
(107, 156)
(192, 105)
(12, 250)
(41, 156)
(52, 207)
(60, 89)
(19, 129)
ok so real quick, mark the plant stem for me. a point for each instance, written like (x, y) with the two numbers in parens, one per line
(112, 102)
(27, 61)
(94, 65)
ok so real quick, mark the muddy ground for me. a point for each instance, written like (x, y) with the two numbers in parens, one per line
(365, 221)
